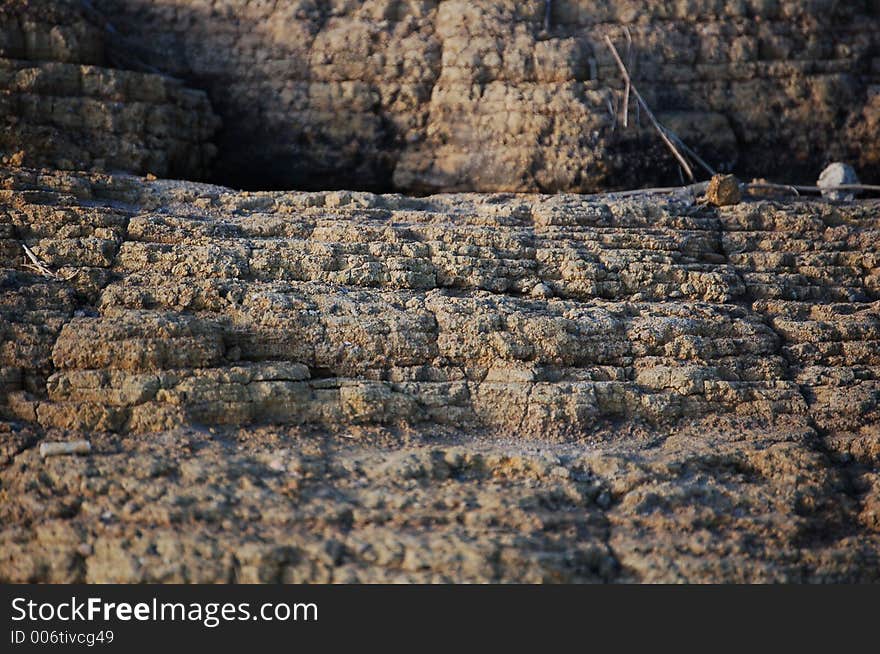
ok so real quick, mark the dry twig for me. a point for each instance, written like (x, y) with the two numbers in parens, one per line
(700, 187)
(43, 269)
(35, 263)
(693, 155)
(812, 189)
(696, 188)
(638, 96)
(629, 42)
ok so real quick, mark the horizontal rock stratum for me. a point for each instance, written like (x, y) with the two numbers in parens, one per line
(500, 95)
(421, 96)
(341, 386)
(66, 103)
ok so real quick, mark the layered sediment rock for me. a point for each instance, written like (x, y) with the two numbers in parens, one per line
(65, 105)
(426, 95)
(354, 387)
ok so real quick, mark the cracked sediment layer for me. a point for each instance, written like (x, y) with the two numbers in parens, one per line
(480, 95)
(343, 386)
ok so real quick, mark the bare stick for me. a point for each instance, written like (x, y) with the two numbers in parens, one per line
(813, 189)
(693, 155)
(612, 111)
(700, 187)
(36, 264)
(43, 269)
(629, 42)
(660, 129)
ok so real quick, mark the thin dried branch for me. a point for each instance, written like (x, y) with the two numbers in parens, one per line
(38, 266)
(629, 42)
(696, 188)
(693, 155)
(700, 187)
(873, 188)
(611, 102)
(638, 96)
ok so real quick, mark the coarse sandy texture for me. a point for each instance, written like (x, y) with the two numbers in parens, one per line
(488, 95)
(341, 386)
(66, 103)
(422, 96)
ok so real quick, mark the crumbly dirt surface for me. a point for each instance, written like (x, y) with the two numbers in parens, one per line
(349, 387)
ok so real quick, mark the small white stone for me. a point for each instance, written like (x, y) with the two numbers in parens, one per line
(835, 175)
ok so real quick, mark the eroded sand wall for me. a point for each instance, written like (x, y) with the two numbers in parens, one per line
(420, 95)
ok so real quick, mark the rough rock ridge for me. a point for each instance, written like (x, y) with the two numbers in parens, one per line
(341, 386)
(65, 104)
(489, 95)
